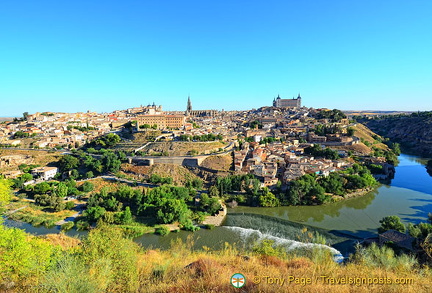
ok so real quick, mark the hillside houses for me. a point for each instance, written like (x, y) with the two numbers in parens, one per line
(49, 130)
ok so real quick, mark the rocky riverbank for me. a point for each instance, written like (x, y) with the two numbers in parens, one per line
(217, 219)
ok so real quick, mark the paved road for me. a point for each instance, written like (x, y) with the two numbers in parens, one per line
(40, 150)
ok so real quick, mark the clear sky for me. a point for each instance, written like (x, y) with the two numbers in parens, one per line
(104, 55)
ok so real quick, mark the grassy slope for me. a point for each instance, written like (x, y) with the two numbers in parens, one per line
(181, 148)
(179, 174)
(180, 269)
(38, 157)
(364, 134)
(223, 163)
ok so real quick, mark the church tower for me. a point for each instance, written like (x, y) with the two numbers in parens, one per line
(189, 105)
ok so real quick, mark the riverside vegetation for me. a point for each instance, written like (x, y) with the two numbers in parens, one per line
(135, 208)
(107, 260)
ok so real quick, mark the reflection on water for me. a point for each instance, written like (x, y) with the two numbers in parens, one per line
(412, 174)
(246, 230)
(40, 230)
(408, 196)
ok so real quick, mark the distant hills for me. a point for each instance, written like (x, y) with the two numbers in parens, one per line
(373, 112)
(412, 131)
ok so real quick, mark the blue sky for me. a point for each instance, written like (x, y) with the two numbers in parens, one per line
(105, 55)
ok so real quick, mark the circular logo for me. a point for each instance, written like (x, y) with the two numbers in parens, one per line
(238, 280)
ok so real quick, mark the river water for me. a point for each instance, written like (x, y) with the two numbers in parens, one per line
(409, 196)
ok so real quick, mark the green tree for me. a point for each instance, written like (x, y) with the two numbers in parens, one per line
(23, 257)
(334, 183)
(74, 174)
(89, 174)
(94, 213)
(21, 134)
(126, 217)
(68, 163)
(391, 223)
(5, 192)
(98, 167)
(267, 199)
(213, 191)
(69, 205)
(42, 188)
(26, 177)
(414, 230)
(111, 139)
(62, 190)
(144, 126)
(111, 162)
(87, 186)
(213, 206)
(172, 210)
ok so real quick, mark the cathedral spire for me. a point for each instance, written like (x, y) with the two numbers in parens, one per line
(189, 105)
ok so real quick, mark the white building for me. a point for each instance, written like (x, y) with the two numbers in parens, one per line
(45, 173)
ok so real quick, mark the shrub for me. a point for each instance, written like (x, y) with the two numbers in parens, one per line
(82, 225)
(189, 226)
(209, 226)
(67, 226)
(162, 230)
(69, 205)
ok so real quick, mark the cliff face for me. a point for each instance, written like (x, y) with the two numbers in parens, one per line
(412, 132)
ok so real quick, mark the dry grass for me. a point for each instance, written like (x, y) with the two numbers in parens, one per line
(38, 157)
(223, 163)
(366, 134)
(356, 148)
(100, 183)
(177, 270)
(181, 148)
(179, 174)
(62, 240)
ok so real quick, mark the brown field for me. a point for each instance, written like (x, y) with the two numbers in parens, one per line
(180, 148)
(222, 163)
(100, 183)
(37, 157)
(179, 174)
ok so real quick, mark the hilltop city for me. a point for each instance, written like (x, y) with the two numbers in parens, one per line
(130, 173)
(268, 142)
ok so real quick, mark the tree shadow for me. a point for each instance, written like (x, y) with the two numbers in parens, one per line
(422, 212)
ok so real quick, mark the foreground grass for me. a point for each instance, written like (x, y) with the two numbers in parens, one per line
(106, 261)
(180, 270)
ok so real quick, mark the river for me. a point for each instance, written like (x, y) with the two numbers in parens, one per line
(409, 196)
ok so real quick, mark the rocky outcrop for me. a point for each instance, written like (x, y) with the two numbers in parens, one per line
(413, 133)
(15, 160)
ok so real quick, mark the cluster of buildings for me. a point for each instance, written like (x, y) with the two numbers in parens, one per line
(285, 161)
(48, 130)
(286, 120)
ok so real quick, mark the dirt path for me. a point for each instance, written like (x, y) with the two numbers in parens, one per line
(80, 208)
(14, 211)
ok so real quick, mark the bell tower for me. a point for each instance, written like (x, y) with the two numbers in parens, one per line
(189, 105)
